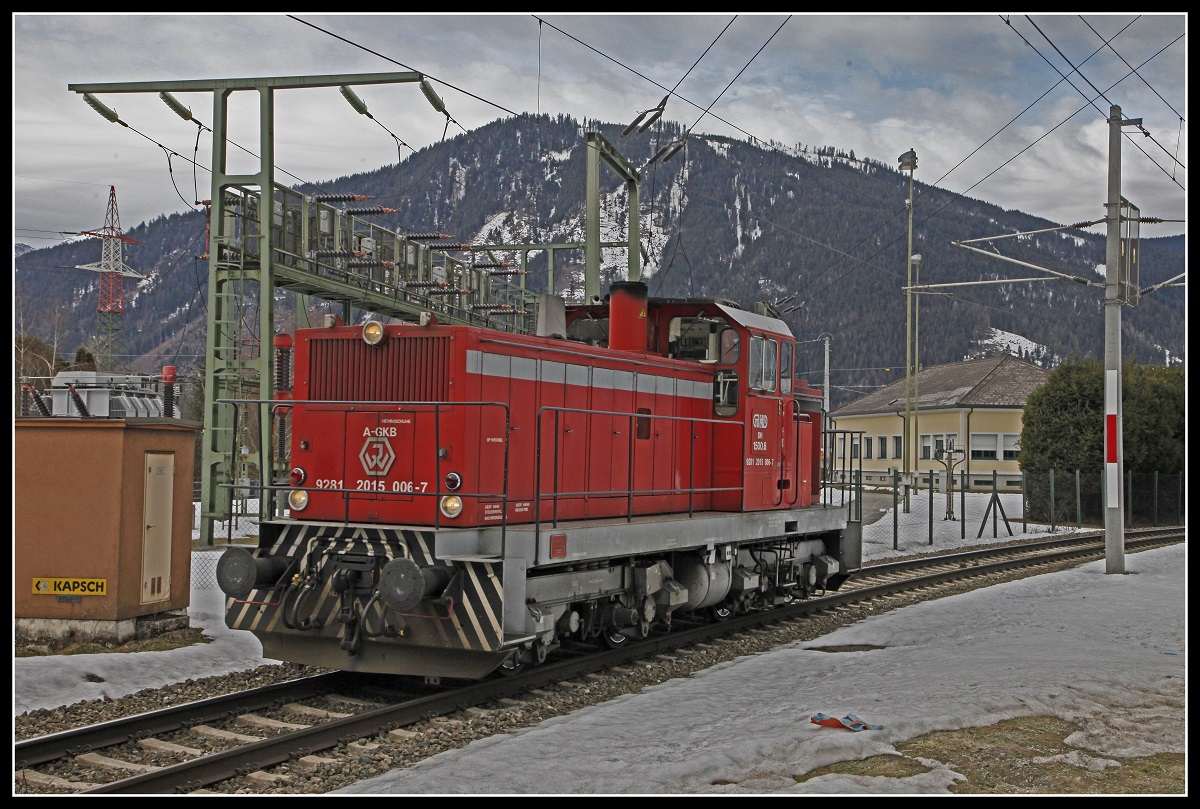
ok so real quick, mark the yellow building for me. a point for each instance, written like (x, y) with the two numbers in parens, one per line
(965, 416)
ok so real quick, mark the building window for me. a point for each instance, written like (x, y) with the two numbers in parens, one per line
(983, 446)
(841, 446)
(935, 445)
(882, 447)
(1012, 446)
(898, 447)
(854, 448)
(868, 444)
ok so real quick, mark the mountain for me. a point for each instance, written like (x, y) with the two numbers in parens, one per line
(818, 230)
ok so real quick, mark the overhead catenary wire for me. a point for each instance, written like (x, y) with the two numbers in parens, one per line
(1091, 102)
(573, 37)
(705, 112)
(1108, 44)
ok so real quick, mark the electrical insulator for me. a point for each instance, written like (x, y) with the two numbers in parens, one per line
(339, 197)
(176, 107)
(168, 379)
(78, 400)
(283, 364)
(650, 121)
(30, 395)
(418, 237)
(433, 97)
(366, 211)
(356, 102)
(633, 125)
(673, 150)
(99, 107)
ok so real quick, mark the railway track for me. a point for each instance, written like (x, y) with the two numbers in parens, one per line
(315, 733)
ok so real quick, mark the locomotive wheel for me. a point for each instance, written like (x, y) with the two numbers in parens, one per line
(721, 612)
(613, 639)
(512, 665)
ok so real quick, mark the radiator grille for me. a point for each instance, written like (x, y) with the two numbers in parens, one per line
(405, 369)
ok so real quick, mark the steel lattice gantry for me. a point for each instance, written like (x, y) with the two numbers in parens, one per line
(266, 236)
(242, 206)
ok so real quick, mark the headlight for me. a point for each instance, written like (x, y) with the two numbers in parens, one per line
(453, 481)
(451, 505)
(373, 332)
(298, 476)
(298, 499)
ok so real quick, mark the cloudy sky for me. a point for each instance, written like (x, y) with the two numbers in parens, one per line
(982, 98)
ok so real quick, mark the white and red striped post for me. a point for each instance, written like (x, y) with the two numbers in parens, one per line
(1114, 511)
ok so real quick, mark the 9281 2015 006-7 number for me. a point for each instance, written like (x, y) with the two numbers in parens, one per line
(396, 486)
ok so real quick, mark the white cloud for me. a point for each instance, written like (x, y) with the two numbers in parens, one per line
(874, 84)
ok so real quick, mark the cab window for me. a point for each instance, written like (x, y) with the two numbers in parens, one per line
(725, 392)
(764, 364)
(729, 347)
(785, 370)
(756, 355)
(770, 365)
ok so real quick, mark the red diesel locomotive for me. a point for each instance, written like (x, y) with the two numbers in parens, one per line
(463, 499)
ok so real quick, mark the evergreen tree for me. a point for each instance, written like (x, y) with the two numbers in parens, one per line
(1064, 419)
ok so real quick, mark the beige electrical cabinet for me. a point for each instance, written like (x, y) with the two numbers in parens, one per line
(103, 525)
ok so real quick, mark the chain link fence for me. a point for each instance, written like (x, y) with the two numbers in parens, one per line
(1078, 498)
(242, 526)
(204, 567)
(897, 517)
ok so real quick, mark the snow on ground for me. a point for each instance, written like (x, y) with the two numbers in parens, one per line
(1108, 650)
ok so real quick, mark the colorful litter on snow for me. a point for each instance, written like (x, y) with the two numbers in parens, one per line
(849, 721)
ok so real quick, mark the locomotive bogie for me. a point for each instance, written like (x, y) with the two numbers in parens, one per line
(370, 598)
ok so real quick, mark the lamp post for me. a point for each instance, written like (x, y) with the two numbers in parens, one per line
(915, 261)
(908, 162)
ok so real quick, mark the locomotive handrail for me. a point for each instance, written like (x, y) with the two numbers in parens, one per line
(371, 406)
(854, 481)
(797, 419)
(630, 491)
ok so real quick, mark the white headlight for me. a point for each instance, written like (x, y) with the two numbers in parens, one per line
(373, 332)
(452, 506)
(298, 499)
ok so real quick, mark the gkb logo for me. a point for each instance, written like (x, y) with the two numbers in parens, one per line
(376, 456)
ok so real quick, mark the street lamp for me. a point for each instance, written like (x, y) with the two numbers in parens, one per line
(908, 162)
(915, 261)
